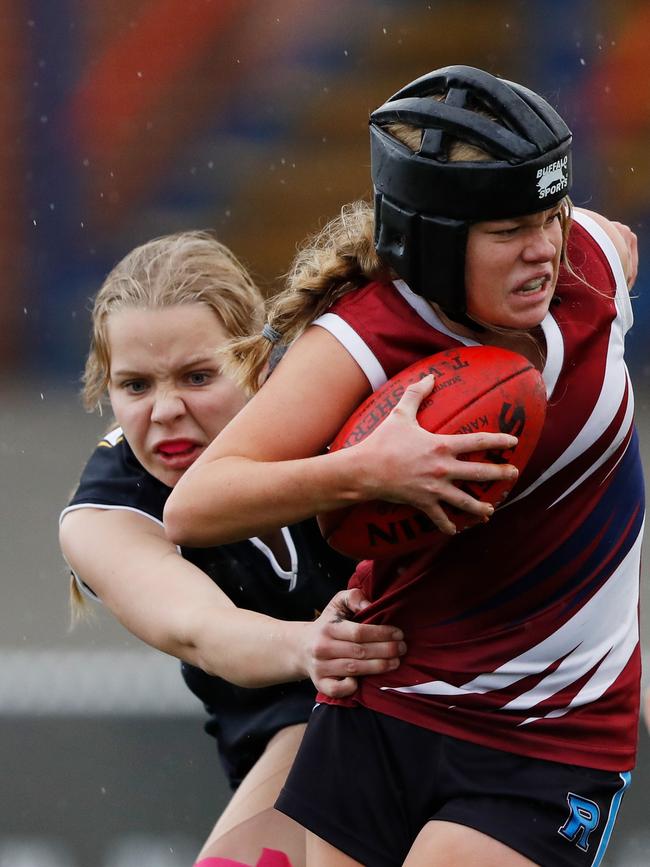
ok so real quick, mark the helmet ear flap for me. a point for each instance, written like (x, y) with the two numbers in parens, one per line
(416, 245)
(443, 244)
(396, 237)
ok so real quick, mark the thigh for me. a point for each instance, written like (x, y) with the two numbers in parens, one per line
(445, 844)
(323, 854)
(361, 784)
(250, 822)
(553, 814)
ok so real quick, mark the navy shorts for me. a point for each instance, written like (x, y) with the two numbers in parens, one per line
(368, 783)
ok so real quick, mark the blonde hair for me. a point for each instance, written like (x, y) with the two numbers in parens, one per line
(337, 260)
(80, 610)
(182, 268)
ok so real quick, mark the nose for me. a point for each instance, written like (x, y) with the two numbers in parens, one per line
(539, 246)
(167, 406)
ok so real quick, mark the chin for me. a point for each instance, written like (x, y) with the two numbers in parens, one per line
(529, 319)
(528, 324)
(165, 475)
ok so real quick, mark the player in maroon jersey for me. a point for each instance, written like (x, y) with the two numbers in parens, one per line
(507, 735)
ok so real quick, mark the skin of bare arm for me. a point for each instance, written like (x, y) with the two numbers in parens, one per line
(267, 467)
(174, 606)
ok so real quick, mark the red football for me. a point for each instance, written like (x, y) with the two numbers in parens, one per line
(477, 389)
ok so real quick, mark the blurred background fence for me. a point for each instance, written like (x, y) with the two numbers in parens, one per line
(124, 120)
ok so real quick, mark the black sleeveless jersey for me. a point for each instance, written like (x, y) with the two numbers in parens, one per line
(242, 720)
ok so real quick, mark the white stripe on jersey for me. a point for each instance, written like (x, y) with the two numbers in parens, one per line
(603, 633)
(607, 406)
(622, 432)
(623, 302)
(356, 346)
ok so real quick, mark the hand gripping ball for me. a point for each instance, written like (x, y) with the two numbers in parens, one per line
(477, 389)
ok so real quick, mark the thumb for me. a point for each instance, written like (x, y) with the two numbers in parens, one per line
(355, 601)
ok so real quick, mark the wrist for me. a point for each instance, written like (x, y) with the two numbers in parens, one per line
(357, 476)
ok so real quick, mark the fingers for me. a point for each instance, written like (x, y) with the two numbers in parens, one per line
(355, 601)
(345, 649)
(337, 677)
(336, 670)
(631, 243)
(346, 603)
(336, 687)
(441, 520)
(361, 634)
(479, 471)
(465, 444)
(414, 395)
(358, 657)
(452, 468)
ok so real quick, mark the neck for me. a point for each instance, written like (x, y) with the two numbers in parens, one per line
(531, 344)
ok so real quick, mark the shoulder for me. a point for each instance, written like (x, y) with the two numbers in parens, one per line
(373, 296)
(595, 263)
(620, 236)
(113, 478)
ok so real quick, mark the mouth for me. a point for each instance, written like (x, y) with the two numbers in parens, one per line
(179, 453)
(175, 447)
(531, 287)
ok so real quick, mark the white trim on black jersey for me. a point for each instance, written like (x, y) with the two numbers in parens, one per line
(291, 576)
(81, 585)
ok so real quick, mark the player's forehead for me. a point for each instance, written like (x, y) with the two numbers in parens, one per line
(163, 340)
(537, 218)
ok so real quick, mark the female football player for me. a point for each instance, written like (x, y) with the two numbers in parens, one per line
(240, 616)
(507, 735)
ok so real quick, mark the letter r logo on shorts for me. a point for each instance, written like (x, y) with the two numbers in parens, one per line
(584, 816)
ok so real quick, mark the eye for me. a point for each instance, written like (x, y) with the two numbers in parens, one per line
(135, 386)
(199, 377)
(552, 217)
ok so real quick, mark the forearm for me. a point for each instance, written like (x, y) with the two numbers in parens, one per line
(247, 648)
(175, 607)
(333, 651)
(171, 605)
(235, 498)
(184, 614)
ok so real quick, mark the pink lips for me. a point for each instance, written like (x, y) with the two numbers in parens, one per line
(175, 447)
(179, 454)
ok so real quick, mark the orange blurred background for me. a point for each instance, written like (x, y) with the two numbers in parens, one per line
(126, 120)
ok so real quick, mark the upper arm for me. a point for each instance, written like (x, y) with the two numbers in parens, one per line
(137, 573)
(300, 408)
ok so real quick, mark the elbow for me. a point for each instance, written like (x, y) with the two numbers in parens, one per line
(187, 526)
(177, 523)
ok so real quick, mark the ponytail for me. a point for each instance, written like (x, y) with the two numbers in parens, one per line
(338, 259)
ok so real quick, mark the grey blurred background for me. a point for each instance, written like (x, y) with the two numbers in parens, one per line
(129, 119)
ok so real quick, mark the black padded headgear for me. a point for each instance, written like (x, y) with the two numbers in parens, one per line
(424, 203)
